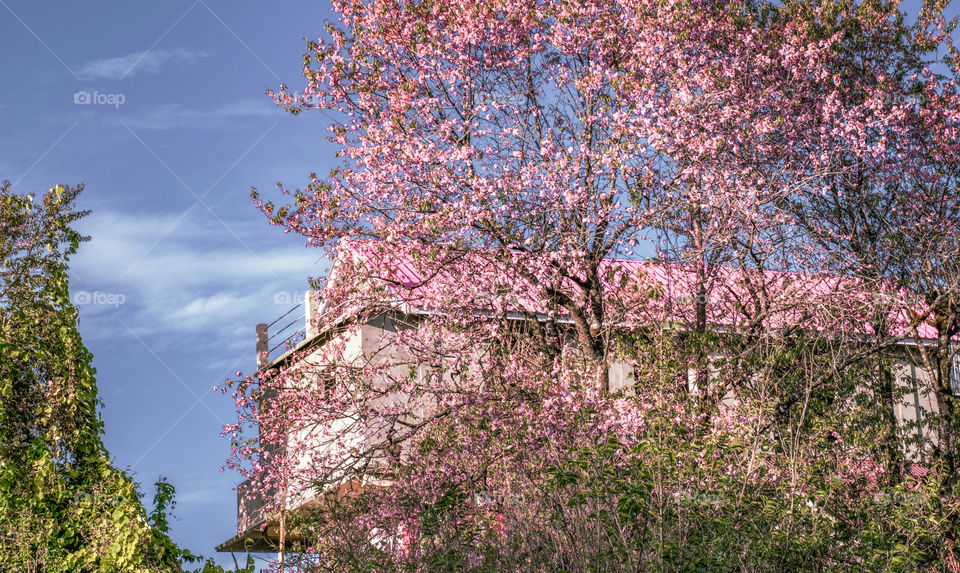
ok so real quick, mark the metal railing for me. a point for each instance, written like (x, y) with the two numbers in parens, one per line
(295, 324)
(287, 336)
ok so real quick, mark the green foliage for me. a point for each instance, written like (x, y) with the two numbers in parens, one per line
(63, 506)
(688, 498)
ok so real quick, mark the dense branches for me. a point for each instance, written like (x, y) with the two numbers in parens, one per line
(501, 382)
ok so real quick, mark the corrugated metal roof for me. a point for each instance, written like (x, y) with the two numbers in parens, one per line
(735, 296)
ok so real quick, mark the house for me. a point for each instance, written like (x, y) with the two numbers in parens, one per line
(400, 293)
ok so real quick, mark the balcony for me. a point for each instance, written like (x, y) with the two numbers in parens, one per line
(255, 532)
(287, 332)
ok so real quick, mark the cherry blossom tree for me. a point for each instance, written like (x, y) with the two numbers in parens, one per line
(891, 216)
(539, 396)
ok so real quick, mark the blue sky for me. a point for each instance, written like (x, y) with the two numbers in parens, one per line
(176, 131)
(181, 266)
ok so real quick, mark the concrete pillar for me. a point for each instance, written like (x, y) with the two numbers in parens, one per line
(311, 303)
(263, 351)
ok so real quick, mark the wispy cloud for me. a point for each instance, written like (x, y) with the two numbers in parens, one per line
(149, 62)
(194, 285)
(176, 116)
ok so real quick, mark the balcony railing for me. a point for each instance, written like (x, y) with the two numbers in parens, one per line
(287, 331)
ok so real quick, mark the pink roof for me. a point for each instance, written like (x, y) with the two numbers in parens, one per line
(639, 292)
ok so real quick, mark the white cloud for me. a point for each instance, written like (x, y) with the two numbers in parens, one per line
(197, 283)
(175, 116)
(150, 62)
